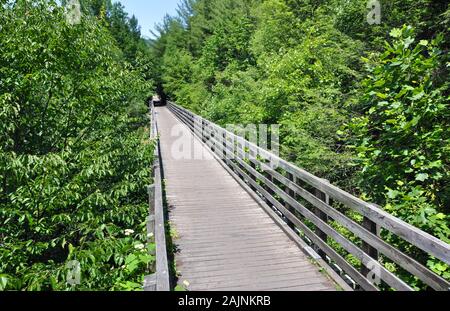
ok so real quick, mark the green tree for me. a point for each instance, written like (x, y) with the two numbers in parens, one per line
(74, 154)
(403, 137)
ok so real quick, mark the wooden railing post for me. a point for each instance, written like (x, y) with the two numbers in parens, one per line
(251, 163)
(291, 193)
(162, 269)
(325, 198)
(213, 137)
(203, 131)
(150, 280)
(268, 188)
(151, 203)
(369, 250)
(224, 146)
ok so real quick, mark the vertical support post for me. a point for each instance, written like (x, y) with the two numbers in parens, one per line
(192, 120)
(325, 198)
(224, 147)
(212, 138)
(209, 135)
(203, 131)
(291, 193)
(232, 151)
(151, 199)
(266, 173)
(369, 250)
(248, 156)
(150, 110)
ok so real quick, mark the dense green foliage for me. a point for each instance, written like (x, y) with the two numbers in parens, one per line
(403, 136)
(124, 29)
(364, 106)
(74, 152)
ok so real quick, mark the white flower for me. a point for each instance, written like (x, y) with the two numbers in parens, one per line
(139, 246)
(129, 232)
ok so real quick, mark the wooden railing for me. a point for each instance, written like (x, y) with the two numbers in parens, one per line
(324, 215)
(158, 281)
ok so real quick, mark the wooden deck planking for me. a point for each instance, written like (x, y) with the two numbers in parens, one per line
(226, 241)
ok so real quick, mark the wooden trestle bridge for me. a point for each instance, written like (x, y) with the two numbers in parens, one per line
(241, 224)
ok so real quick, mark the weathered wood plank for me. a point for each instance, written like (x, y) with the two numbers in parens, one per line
(150, 283)
(333, 254)
(284, 279)
(217, 274)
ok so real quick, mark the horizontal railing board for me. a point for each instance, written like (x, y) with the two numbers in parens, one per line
(409, 264)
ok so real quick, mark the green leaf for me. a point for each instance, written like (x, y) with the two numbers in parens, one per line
(3, 282)
(418, 96)
(396, 33)
(382, 96)
(180, 288)
(422, 176)
(440, 216)
(131, 263)
(408, 42)
(392, 194)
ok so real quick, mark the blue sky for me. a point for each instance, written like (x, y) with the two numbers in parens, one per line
(149, 12)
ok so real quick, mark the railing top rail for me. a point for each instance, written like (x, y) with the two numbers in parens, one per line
(162, 265)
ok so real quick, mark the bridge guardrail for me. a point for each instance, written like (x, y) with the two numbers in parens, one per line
(316, 209)
(160, 280)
